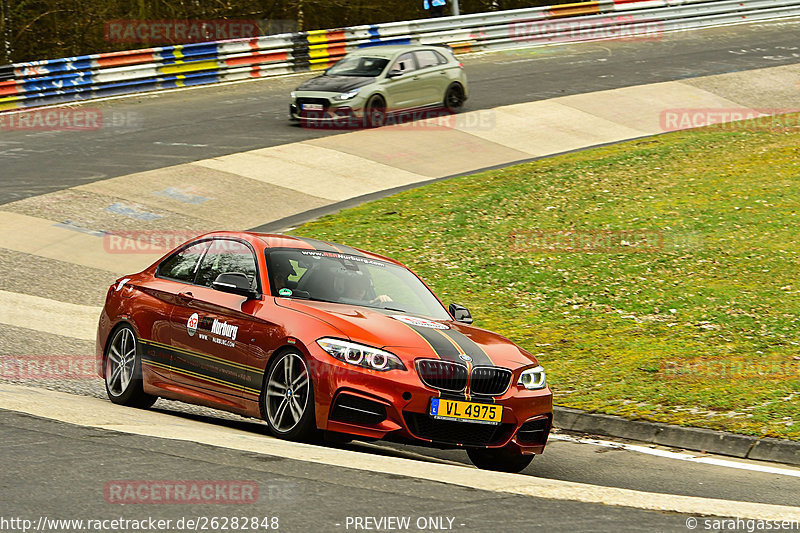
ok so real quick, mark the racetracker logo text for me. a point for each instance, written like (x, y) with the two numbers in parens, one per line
(56, 119)
(178, 31)
(181, 492)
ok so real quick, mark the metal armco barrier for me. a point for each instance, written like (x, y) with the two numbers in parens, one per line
(70, 79)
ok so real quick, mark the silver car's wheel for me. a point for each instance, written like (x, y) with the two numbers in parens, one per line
(288, 398)
(375, 112)
(123, 370)
(454, 98)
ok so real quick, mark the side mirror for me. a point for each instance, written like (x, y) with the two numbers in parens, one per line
(394, 74)
(460, 313)
(234, 283)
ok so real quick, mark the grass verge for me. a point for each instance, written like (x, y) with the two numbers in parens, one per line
(655, 279)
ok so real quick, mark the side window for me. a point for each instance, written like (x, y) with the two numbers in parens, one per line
(428, 58)
(405, 63)
(226, 256)
(182, 265)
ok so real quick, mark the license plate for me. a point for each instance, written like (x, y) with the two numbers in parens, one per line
(482, 413)
(312, 107)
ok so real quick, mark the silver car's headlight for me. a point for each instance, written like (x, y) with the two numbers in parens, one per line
(533, 378)
(346, 96)
(360, 355)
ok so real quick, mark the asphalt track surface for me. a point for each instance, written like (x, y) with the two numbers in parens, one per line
(304, 497)
(153, 131)
(59, 469)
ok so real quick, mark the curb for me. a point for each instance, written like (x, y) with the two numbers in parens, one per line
(699, 439)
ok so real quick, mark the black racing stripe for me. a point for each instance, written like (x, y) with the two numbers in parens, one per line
(151, 352)
(179, 360)
(320, 246)
(443, 348)
(235, 376)
(349, 250)
(323, 246)
(479, 357)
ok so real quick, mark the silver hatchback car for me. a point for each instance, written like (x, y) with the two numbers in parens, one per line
(369, 84)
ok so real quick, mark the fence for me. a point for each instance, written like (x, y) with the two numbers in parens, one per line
(56, 81)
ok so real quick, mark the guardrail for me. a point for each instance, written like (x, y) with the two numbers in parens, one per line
(70, 79)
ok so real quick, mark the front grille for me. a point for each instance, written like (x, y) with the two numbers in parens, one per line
(324, 102)
(534, 431)
(489, 380)
(356, 410)
(442, 375)
(449, 432)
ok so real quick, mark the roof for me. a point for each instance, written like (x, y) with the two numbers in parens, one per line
(272, 240)
(392, 50)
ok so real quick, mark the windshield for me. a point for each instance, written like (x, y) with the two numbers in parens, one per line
(349, 279)
(358, 66)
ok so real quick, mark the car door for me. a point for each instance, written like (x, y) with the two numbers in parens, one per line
(433, 80)
(402, 90)
(211, 330)
(174, 276)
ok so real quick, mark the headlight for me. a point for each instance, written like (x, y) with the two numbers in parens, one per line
(347, 96)
(360, 355)
(533, 378)
(292, 95)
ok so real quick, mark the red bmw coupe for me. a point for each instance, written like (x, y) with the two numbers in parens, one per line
(313, 337)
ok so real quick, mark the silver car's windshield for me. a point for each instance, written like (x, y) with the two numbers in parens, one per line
(358, 66)
(350, 279)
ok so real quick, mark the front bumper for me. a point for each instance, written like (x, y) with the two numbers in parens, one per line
(326, 108)
(394, 405)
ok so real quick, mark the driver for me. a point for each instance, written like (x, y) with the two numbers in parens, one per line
(357, 286)
(281, 270)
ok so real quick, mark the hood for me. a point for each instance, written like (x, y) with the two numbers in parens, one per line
(335, 84)
(410, 337)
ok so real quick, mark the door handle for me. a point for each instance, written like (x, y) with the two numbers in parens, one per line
(186, 296)
(415, 77)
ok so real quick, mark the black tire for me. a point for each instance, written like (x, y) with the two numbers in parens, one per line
(499, 459)
(123, 370)
(454, 98)
(375, 112)
(279, 400)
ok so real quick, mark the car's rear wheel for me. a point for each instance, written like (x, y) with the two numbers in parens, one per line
(499, 459)
(375, 112)
(123, 370)
(454, 98)
(288, 398)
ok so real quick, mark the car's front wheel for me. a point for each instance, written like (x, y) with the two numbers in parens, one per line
(287, 402)
(123, 370)
(375, 112)
(499, 459)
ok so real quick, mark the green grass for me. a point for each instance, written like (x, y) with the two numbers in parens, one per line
(698, 326)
